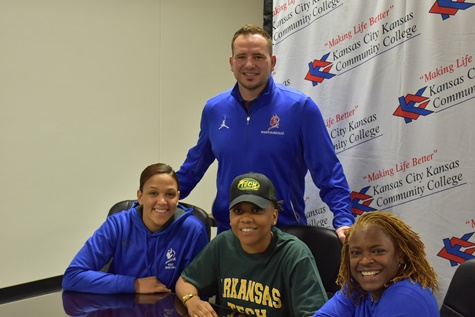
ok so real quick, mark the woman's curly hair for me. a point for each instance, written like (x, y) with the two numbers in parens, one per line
(416, 266)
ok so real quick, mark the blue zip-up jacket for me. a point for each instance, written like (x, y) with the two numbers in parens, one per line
(136, 253)
(282, 136)
(403, 299)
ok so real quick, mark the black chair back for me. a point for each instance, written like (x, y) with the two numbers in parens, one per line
(459, 301)
(326, 249)
(120, 206)
(201, 215)
(197, 212)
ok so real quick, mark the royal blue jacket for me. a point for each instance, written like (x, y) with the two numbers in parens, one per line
(136, 253)
(401, 299)
(282, 136)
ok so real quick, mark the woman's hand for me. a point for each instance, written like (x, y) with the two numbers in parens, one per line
(150, 298)
(148, 285)
(199, 308)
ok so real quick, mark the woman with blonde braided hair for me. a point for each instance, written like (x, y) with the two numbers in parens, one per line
(384, 272)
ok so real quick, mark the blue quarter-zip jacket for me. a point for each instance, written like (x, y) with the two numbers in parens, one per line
(136, 252)
(282, 136)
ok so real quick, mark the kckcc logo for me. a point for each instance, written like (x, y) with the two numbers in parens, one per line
(447, 8)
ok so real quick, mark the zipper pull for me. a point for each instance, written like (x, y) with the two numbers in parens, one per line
(248, 119)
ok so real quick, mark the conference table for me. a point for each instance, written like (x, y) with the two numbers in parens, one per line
(65, 303)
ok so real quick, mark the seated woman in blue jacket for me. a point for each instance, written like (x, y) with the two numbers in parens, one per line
(149, 244)
(384, 272)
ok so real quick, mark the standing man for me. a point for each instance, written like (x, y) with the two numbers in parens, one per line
(265, 127)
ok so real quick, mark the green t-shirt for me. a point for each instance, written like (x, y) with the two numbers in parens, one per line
(283, 281)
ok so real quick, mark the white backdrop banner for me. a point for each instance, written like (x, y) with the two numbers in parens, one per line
(395, 81)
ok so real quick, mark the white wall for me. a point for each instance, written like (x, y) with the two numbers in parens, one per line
(195, 66)
(91, 92)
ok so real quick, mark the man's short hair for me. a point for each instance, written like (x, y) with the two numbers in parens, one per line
(251, 29)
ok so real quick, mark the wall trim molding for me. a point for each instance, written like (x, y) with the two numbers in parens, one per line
(30, 289)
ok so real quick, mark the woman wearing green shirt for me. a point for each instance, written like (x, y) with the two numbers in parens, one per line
(255, 268)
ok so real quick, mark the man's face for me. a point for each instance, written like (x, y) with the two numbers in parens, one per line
(251, 64)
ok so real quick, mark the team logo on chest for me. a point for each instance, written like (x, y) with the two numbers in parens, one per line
(171, 259)
(274, 122)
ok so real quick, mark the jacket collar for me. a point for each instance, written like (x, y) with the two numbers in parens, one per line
(262, 96)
